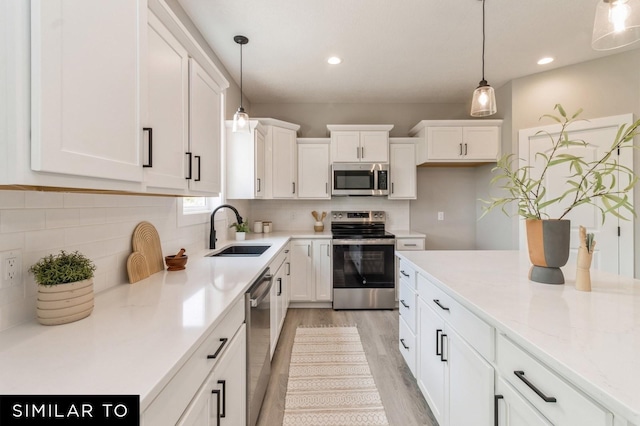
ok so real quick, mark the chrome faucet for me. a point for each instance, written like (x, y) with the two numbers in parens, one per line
(212, 234)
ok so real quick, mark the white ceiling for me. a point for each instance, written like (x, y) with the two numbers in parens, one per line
(394, 51)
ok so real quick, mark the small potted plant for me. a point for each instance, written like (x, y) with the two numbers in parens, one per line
(602, 182)
(65, 287)
(241, 230)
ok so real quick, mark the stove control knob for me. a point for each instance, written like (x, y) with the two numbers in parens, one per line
(339, 215)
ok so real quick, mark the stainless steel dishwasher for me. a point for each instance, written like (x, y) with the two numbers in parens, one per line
(258, 317)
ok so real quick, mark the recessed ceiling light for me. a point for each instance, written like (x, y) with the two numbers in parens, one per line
(545, 61)
(334, 60)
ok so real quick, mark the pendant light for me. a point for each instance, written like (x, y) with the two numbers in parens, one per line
(241, 118)
(484, 97)
(617, 24)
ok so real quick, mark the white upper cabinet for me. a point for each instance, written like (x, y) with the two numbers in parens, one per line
(168, 110)
(402, 173)
(281, 144)
(205, 131)
(86, 88)
(313, 168)
(359, 143)
(458, 141)
(245, 156)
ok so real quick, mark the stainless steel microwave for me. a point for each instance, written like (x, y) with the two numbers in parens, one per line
(360, 179)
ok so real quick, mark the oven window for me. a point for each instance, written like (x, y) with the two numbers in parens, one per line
(353, 179)
(358, 266)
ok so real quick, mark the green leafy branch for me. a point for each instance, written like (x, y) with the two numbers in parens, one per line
(62, 268)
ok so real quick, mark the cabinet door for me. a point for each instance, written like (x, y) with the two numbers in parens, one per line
(403, 171)
(444, 143)
(85, 91)
(322, 270)
(259, 184)
(284, 162)
(470, 383)
(513, 410)
(481, 143)
(168, 109)
(205, 135)
(277, 305)
(313, 171)
(374, 147)
(301, 271)
(431, 364)
(345, 146)
(224, 392)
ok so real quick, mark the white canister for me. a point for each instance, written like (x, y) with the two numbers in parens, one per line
(267, 227)
(257, 227)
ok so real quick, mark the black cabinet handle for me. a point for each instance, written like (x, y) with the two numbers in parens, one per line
(150, 131)
(224, 398)
(392, 187)
(442, 336)
(437, 302)
(190, 168)
(294, 187)
(259, 185)
(545, 398)
(279, 286)
(404, 273)
(404, 304)
(403, 344)
(496, 398)
(288, 268)
(217, 394)
(223, 341)
(438, 351)
(197, 157)
(465, 149)
(326, 187)
(460, 149)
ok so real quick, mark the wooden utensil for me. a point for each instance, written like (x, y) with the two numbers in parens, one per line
(180, 253)
(137, 267)
(147, 241)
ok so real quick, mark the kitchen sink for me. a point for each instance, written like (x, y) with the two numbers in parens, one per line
(240, 251)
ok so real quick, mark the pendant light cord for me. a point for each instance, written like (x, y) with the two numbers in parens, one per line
(483, 37)
(241, 70)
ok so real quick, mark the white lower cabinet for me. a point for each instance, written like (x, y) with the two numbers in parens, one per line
(222, 399)
(310, 279)
(512, 409)
(189, 397)
(280, 270)
(456, 380)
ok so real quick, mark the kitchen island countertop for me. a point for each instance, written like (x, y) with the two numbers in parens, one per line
(590, 338)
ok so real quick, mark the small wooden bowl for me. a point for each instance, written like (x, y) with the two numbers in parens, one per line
(175, 263)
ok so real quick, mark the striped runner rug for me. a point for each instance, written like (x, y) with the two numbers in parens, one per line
(330, 382)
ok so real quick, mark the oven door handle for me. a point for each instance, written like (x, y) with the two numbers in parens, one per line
(365, 242)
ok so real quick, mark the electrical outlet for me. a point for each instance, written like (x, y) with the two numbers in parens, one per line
(440, 215)
(10, 268)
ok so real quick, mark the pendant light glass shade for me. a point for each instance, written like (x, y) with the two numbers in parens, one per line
(241, 118)
(241, 122)
(617, 24)
(484, 101)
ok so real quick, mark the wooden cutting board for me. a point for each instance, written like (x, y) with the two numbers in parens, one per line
(147, 241)
(137, 267)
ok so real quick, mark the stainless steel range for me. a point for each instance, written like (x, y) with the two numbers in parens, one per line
(363, 261)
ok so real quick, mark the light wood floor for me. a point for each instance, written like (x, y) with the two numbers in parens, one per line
(402, 400)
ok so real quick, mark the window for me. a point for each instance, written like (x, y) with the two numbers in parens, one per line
(195, 210)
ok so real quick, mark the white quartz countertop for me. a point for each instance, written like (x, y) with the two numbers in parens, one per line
(406, 233)
(138, 335)
(591, 338)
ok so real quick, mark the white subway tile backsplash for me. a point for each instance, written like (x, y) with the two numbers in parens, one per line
(99, 226)
(21, 220)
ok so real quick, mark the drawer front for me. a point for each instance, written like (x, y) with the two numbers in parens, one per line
(407, 346)
(471, 328)
(407, 274)
(570, 407)
(407, 305)
(513, 409)
(410, 244)
(278, 260)
(168, 406)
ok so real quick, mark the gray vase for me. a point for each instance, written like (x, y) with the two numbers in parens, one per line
(548, 243)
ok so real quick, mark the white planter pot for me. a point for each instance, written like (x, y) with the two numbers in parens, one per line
(240, 236)
(65, 303)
